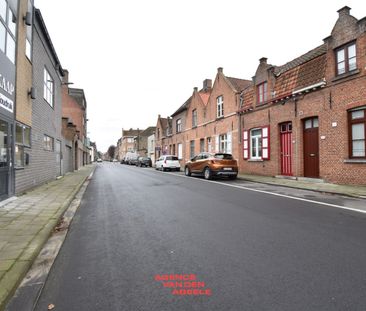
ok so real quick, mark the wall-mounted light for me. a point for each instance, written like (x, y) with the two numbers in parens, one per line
(28, 19)
(32, 92)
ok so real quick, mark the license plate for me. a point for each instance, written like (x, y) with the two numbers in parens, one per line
(228, 169)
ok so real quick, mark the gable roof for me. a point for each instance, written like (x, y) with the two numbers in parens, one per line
(204, 96)
(148, 132)
(320, 50)
(163, 123)
(239, 84)
(183, 107)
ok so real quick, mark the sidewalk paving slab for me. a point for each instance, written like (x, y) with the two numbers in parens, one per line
(27, 222)
(347, 190)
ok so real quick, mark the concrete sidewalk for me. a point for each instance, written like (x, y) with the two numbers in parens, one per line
(303, 183)
(27, 222)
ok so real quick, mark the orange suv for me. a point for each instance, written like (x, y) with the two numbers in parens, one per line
(212, 164)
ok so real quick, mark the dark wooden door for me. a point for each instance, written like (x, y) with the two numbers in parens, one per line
(311, 147)
(286, 148)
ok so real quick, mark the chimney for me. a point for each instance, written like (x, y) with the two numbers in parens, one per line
(207, 84)
(344, 11)
(220, 70)
(159, 116)
(65, 78)
(195, 89)
(263, 60)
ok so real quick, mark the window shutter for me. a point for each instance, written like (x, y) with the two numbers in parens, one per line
(246, 145)
(217, 144)
(265, 143)
(229, 144)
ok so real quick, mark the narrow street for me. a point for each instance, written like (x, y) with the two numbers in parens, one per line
(252, 250)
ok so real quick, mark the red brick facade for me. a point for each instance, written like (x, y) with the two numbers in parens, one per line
(310, 87)
(289, 120)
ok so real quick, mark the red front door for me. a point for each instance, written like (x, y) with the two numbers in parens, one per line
(286, 148)
(311, 147)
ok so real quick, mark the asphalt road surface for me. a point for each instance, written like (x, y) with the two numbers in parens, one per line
(237, 249)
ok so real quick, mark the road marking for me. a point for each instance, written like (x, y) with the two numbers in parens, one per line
(274, 194)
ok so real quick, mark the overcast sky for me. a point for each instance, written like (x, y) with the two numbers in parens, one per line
(137, 59)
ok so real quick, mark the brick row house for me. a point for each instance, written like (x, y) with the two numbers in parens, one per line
(36, 138)
(306, 118)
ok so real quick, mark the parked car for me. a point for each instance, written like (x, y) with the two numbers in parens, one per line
(212, 164)
(131, 158)
(99, 160)
(144, 161)
(168, 162)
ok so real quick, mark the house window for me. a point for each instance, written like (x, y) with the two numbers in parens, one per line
(178, 127)
(194, 118)
(256, 144)
(220, 106)
(262, 93)
(7, 30)
(202, 145)
(223, 143)
(346, 58)
(48, 143)
(192, 149)
(158, 133)
(209, 144)
(180, 151)
(28, 41)
(357, 130)
(22, 140)
(48, 85)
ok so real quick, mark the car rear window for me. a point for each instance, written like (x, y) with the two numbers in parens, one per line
(223, 156)
(172, 158)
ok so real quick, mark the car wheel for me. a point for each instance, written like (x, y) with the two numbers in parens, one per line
(187, 172)
(207, 173)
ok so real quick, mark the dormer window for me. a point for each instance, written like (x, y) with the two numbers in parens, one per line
(346, 58)
(262, 93)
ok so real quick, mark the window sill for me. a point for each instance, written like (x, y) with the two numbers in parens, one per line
(219, 118)
(255, 160)
(352, 161)
(345, 75)
(19, 168)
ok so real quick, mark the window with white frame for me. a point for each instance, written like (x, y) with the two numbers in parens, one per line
(209, 144)
(178, 127)
(223, 143)
(8, 28)
(194, 118)
(262, 93)
(357, 130)
(256, 143)
(48, 143)
(28, 41)
(220, 106)
(180, 151)
(48, 87)
(346, 58)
